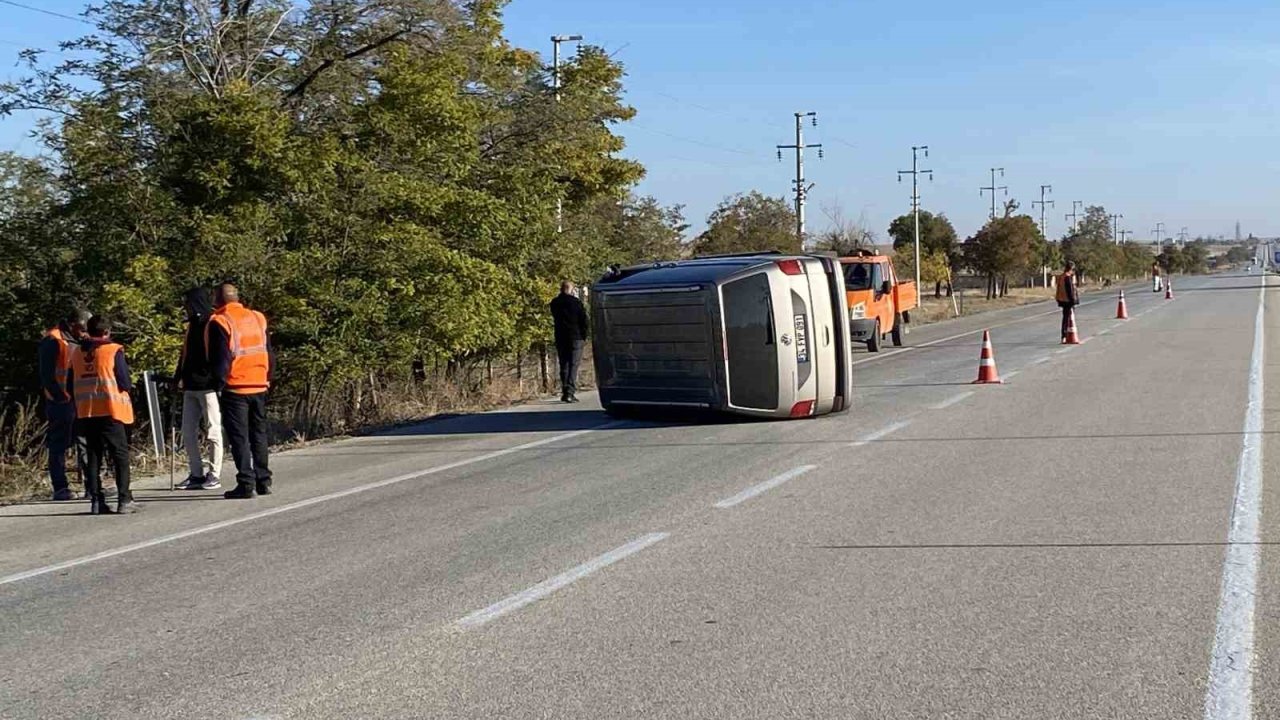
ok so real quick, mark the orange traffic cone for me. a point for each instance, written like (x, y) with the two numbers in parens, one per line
(1168, 290)
(987, 362)
(1073, 337)
(1122, 310)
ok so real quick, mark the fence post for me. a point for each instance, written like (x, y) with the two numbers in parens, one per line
(542, 352)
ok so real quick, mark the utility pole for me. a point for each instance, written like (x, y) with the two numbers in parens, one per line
(993, 188)
(555, 85)
(1124, 235)
(801, 189)
(914, 172)
(1158, 231)
(1044, 229)
(1071, 216)
(1115, 223)
(1182, 236)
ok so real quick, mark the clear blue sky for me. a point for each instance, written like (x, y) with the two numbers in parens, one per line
(1163, 110)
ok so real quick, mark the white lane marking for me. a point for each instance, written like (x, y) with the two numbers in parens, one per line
(1068, 348)
(952, 400)
(1010, 374)
(882, 432)
(765, 486)
(939, 341)
(550, 585)
(1230, 688)
(1038, 361)
(28, 574)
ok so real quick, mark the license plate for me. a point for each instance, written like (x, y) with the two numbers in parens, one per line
(802, 340)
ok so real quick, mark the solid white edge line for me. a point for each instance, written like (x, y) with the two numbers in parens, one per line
(952, 400)
(56, 567)
(882, 432)
(550, 585)
(1038, 361)
(1229, 695)
(1010, 374)
(763, 487)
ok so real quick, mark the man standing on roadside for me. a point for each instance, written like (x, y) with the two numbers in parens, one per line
(242, 362)
(54, 356)
(570, 318)
(200, 408)
(1067, 295)
(100, 386)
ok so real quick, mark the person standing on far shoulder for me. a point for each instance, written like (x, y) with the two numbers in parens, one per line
(200, 409)
(570, 317)
(100, 386)
(1067, 295)
(54, 359)
(242, 363)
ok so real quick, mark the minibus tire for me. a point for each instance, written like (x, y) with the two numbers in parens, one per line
(873, 342)
(897, 330)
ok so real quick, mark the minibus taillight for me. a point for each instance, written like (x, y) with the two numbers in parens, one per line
(804, 408)
(790, 267)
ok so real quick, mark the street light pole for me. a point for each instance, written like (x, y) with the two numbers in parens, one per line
(914, 172)
(555, 84)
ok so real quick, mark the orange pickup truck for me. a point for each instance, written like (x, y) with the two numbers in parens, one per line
(879, 303)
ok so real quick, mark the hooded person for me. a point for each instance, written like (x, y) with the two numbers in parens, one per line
(200, 409)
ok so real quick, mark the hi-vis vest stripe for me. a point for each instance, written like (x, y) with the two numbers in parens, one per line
(94, 385)
(247, 342)
(63, 363)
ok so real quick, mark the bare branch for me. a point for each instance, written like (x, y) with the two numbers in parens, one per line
(301, 87)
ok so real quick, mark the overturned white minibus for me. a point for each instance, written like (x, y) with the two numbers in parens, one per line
(761, 335)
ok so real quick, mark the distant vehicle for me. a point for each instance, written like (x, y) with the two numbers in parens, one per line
(879, 303)
(758, 335)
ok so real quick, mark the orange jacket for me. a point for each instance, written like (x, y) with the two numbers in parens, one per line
(94, 385)
(247, 347)
(61, 364)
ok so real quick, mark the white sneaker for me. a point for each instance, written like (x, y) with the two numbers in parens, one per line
(211, 482)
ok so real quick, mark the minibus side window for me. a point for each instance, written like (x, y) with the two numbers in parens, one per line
(752, 357)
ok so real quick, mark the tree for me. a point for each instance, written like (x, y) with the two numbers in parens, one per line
(379, 176)
(1091, 246)
(749, 223)
(844, 236)
(937, 235)
(1004, 246)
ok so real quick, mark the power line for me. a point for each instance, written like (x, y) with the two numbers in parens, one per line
(993, 188)
(694, 141)
(46, 12)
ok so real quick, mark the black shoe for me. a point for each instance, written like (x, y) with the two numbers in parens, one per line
(64, 495)
(573, 399)
(127, 507)
(564, 398)
(99, 506)
(264, 489)
(242, 492)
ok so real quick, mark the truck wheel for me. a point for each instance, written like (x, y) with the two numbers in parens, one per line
(897, 330)
(873, 342)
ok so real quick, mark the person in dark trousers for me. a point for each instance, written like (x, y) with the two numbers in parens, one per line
(1067, 295)
(243, 364)
(100, 386)
(54, 360)
(570, 318)
(200, 408)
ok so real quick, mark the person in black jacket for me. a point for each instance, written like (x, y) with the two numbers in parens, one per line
(1067, 295)
(570, 318)
(54, 361)
(200, 407)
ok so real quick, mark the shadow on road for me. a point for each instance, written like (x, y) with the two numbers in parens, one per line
(530, 421)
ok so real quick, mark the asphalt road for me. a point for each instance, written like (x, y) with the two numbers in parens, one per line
(1054, 547)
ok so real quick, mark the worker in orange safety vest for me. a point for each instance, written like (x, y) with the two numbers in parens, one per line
(54, 359)
(100, 387)
(242, 362)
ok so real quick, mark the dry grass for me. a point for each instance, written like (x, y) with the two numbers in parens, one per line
(972, 302)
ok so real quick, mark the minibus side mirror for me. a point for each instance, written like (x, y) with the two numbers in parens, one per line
(886, 287)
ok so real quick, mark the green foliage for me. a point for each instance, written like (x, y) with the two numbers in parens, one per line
(380, 178)
(749, 223)
(935, 268)
(1005, 246)
(937, 234)
(1239, 254)
(1091, 246)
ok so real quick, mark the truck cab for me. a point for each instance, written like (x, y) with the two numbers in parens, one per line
(880, 304)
